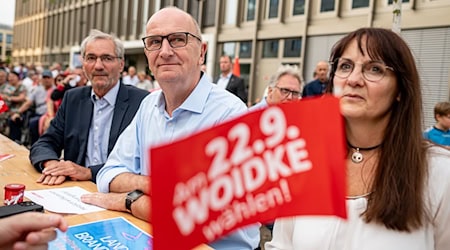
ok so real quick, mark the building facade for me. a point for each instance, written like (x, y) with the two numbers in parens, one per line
(6, 42)
(262, 33)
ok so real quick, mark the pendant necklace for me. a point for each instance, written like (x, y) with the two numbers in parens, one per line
(357, 157)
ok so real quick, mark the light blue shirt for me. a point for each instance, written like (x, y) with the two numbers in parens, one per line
(206, 106)
(437, 136)
(260, 105)
(98, 138)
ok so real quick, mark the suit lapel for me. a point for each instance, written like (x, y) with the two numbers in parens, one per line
(85, 118)
(119, 113)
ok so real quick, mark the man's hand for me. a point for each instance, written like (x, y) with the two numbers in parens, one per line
(110, 201)
(55, 172)
(116, 201)
(30, 230)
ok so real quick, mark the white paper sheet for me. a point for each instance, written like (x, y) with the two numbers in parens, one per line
(62, 200)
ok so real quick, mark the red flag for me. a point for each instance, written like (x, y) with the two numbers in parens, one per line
(3, 106)
(236, 67)
(263, 165)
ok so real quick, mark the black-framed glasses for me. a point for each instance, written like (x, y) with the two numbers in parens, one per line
(176, 40)
(105, 59)
(372, 71)
(286, 92)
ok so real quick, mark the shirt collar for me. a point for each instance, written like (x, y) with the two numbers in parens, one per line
(196, 101)
(111, 95)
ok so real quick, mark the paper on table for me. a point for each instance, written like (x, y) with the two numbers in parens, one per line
(62, 200)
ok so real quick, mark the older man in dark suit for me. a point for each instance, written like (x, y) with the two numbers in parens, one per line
(91, 118)
(227, 80)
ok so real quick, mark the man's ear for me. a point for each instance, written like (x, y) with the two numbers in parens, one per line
(203, 50)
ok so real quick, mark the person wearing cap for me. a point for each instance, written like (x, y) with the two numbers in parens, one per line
(32, 109)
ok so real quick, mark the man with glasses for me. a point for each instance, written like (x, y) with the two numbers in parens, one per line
(317, 86)
(90, 118)
(285, 85)
(186, 103)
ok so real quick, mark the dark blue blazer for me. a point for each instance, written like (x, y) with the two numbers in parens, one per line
(69, 129)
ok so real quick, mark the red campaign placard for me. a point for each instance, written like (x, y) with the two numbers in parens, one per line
(282, 161)
(3, 106)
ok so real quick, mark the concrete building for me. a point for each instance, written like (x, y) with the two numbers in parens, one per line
(6, 42)
(264, 34)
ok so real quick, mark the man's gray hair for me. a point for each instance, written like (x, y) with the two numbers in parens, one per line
(286, 70)
(98, 35)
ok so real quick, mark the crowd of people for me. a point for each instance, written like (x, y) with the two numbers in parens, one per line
(398, 188)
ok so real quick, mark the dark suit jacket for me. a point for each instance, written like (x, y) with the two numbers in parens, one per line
(236, 86)
(70, 128)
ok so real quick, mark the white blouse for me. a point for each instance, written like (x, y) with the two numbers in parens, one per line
(327, 232)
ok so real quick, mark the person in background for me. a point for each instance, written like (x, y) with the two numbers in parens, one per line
(76, 78)
(131, 78)
(317, 86)
(52, 107)
(398, 188)
(32, 80)
(227, 80)
(90, 118)
(36, 105)
(31, 230)
(440, 132)
(14, 94)
(144, 83)
(186, 103)
(284, 86)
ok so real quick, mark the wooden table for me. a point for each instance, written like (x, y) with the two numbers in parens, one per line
(18, 169)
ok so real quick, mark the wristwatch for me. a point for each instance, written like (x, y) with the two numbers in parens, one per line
(132, 197)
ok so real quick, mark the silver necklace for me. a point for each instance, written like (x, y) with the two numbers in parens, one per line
(357, 156)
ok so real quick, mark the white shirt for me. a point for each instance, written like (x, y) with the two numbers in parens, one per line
(223, 81)
(322, 232)
(130, 80)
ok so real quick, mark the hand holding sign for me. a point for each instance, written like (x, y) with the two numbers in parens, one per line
(266, 164)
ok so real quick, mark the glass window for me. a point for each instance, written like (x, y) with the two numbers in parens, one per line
(209, 13)
(9, 38)
(179, 3)
(245, 50)
(1, 37)
(165, 3)
(270, 49)
(229, 49)
(292, 47)
(231, 11)
(360, 4)
(326, 5)
(273, 8)
(251, 5)
(392, 1)
(299, 7)
(193, 9)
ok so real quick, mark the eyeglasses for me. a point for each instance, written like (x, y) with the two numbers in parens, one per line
(286, 92)
(105, 59)
(176, 40)
(372, 71)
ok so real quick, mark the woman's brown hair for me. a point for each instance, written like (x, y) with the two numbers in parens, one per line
(397, 200)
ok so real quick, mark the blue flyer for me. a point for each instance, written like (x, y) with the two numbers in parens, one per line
(116, 233)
